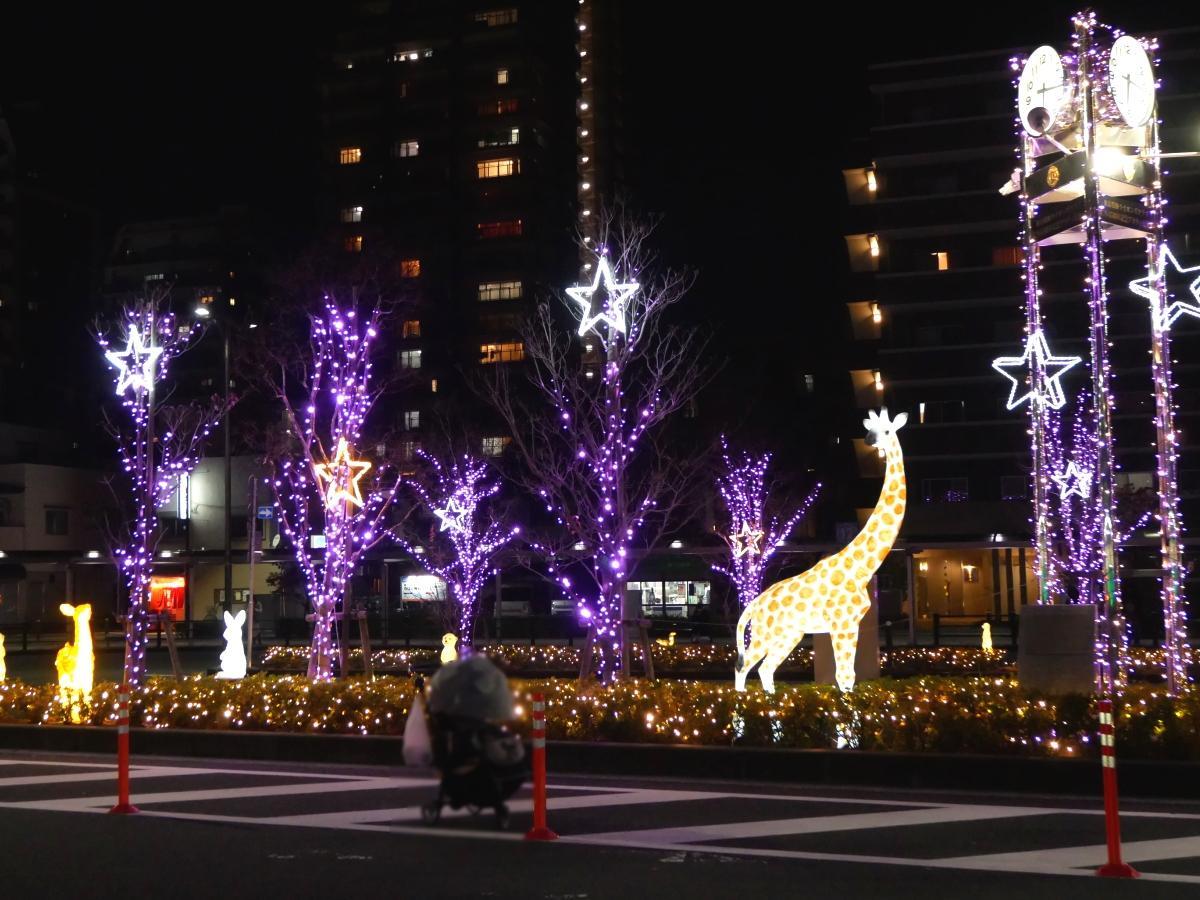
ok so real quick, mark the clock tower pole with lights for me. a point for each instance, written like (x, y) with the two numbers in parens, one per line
(1091, 174)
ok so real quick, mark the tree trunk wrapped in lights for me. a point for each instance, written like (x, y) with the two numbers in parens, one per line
(466, 535)
(158, 444)
(322, 486)
(1078, 527)
(596, 465)
(752, 532)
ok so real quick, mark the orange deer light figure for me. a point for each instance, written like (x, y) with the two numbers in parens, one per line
(831, 597)
(76, 662)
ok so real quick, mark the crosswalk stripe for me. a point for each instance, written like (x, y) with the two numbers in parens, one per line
(689, 834)
(1086, 856)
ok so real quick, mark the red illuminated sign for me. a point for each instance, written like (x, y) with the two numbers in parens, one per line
(167, 593)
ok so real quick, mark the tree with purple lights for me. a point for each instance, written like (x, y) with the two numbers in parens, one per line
(466, 534)
(158, 443)
(752, 532)
(321, 486)
(1077, 526)
(598, 465)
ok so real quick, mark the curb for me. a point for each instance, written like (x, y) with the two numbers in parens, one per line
(926, 771)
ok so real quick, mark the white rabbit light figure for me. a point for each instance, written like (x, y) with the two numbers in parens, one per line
(233, 657)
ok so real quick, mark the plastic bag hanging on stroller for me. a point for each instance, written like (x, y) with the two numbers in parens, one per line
(482, 763)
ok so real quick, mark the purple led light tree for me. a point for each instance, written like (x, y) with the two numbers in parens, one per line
(158, 444)
(752, 532)
(466, 535)
(321, 488)
(597, 465)
(1078, 525)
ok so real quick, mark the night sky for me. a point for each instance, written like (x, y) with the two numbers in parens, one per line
(739, 120)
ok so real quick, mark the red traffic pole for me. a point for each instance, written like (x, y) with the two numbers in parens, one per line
(539, 831)
(123, 806)
(1114, 868)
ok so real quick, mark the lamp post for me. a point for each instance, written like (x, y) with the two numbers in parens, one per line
(203, 312)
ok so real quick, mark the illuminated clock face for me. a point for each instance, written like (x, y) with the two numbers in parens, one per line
(1043, 90)
(1131, 81)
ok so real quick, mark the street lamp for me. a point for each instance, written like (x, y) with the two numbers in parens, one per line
(203, 312)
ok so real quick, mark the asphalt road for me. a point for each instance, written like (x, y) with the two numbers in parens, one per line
(225, 829)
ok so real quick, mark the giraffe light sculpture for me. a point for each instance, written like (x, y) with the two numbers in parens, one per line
(831, 597)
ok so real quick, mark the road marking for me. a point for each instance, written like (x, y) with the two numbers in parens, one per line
(1088, 856)
(275, 790)
(523, 805)
(689, 834)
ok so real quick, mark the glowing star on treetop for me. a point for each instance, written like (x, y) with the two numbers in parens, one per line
(343, 475)
(1053, 369)
(452, 516)
(748, 540)
(611, 312)
(1146, 288)
(135, 364)
(1073, 481)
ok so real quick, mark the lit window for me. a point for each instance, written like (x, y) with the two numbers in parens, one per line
(499, 107)
(407, 148)
(348, 156)
(1007, 256)
(809, 384)
(408, 449)
(412, 419)
(502, 76)
(354, 243)
(352, 214)
(511, 351)
(433, 385)
(876, 313)
(872, 183)
(499, 290)
(410, 55)
(410, 268)
(410, 359)
(873, 244)
(878, 380)
(494, 446)
(508, 137)
(507, 228)
(411, 328)
(943, 259)
(497, 17)
(497, 168)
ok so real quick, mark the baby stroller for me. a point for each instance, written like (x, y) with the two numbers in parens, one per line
(481, 762)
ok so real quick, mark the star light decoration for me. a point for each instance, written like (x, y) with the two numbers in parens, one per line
(453, 515)
(343, 475)
(1073, 480)
(747, 541)
(1147, 289)
(1053, 368)
(135, 364)
(612, 312)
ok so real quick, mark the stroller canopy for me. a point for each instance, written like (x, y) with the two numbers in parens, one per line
(472, 688)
